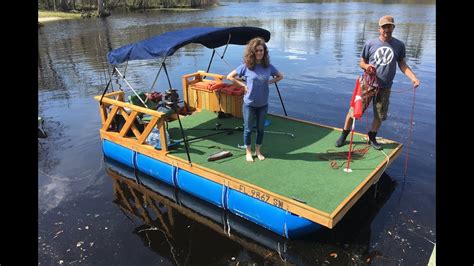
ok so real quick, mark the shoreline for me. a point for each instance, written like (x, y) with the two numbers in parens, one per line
(47, 19)
(46, 16)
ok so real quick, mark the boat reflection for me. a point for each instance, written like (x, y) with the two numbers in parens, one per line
(187, 230)
(173, 219)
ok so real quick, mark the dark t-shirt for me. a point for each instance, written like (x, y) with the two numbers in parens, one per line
(384, 56)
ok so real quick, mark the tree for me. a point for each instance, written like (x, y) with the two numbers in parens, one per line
(63, 5)
(101, 9)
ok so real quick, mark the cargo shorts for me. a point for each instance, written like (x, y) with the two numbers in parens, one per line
(380, 101)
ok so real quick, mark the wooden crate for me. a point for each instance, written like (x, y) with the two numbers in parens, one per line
(230, 104)
(197, 98)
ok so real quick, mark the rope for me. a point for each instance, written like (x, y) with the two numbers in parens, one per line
(158, 74)
(409, 133)
(370, 80)
(222, 57)
(333, 155)
(228, 227)
(400, 91)
(284, 246)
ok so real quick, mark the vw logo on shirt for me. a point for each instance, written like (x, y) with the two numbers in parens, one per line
(383, 55)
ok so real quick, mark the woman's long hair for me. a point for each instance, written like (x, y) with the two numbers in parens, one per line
(249, 57)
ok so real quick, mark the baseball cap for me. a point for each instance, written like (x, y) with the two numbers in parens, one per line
(386, 20)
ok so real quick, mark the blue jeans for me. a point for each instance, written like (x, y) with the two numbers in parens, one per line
(250, 114)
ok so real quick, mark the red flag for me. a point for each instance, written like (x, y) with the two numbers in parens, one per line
(356, 101)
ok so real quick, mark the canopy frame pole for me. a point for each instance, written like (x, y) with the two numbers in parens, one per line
(221, 56)
(186, 145)
(107, 87)
(157, 75)
(227, 45)
(166, 73)
(281, 100)
(125, 71)
(210, 61)
(130, 86)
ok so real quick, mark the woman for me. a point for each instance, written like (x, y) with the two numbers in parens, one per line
(257, 71)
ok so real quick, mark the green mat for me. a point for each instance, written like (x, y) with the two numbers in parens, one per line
(295, 167)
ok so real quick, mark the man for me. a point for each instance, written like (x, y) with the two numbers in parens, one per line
(380, 55)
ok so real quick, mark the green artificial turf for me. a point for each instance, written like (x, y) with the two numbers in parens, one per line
(297, 168)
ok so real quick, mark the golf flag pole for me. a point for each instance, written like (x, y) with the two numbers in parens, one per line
(347, 169)
(356, 105)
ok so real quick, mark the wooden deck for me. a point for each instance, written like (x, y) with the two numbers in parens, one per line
(297, 174)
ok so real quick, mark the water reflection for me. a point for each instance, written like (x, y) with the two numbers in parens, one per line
(167, 212)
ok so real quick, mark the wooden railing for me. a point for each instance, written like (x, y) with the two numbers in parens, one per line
(115, 100)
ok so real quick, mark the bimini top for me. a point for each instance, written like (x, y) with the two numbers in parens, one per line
(167, 43)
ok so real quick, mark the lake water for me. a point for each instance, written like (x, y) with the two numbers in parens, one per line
(317, 46)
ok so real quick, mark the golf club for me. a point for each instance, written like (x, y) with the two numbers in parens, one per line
(282, 133)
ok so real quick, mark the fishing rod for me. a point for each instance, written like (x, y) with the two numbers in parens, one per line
(228, 131)
(217, 127)
(281, 133)
(222, 131)
(130, 86)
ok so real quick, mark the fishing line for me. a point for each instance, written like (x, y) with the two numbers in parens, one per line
(409, 134)
(406, 157)
(104, 66)
(97, 54)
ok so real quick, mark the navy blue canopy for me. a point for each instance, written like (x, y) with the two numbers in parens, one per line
(167, 43)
